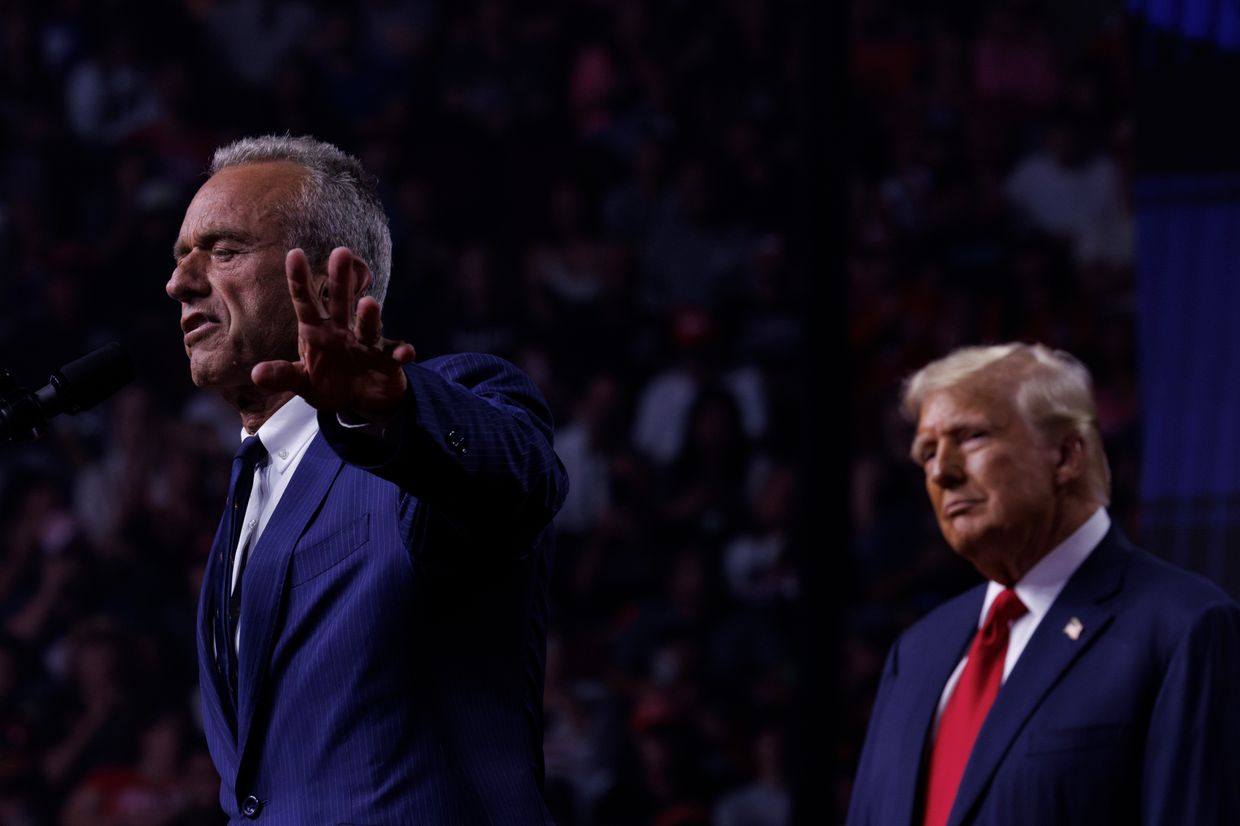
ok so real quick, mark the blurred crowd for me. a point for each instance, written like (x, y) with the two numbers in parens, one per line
(612, 194)
(990, 201)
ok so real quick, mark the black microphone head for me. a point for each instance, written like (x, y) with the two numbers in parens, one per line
(83, 383)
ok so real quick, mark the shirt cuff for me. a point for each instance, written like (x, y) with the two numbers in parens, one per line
(374, 430)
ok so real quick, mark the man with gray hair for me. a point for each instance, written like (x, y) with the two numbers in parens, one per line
(371, 632)
(1086, 682)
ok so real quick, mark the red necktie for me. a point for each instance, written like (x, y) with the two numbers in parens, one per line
(967, 707)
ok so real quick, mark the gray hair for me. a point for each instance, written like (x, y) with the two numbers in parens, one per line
(1052, 390)
(337, 205)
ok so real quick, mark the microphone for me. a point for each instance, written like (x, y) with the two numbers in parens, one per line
(78, 386)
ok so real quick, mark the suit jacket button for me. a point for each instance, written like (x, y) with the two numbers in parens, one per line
(251, 807)
(456, 441)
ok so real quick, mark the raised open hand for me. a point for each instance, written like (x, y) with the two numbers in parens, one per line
(345, 364)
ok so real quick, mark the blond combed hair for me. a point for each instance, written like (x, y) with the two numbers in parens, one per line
(1051, 388)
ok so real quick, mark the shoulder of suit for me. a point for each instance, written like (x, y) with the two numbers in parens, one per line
(1170, 590)
(466, 361)
(468, 369)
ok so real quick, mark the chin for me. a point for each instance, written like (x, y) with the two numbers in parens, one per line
(988, 557)
(968, 544)
(207, 373)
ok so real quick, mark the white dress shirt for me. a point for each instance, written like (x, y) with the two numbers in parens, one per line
(1037, 589)
(285, 436)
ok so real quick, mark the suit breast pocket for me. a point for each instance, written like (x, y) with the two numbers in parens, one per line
(1080, 738)
(313, 560)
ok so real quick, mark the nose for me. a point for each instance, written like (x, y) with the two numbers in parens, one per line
(187, 280)
(945, 468)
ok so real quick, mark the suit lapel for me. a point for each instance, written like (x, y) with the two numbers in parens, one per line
(927, 668)
(214, 688)
(1049, 653)
(263, 587)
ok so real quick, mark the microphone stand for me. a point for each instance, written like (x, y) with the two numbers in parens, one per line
(18, 406)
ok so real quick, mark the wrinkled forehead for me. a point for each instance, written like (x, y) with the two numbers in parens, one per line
(247, 193)
(979, 402)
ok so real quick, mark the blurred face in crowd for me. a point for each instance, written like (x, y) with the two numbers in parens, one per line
(229, 275)
(991, 477)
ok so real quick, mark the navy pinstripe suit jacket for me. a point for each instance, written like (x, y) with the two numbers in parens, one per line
(393, 618)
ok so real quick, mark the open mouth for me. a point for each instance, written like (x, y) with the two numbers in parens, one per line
(197, 325)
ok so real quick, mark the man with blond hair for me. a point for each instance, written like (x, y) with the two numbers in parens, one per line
(1086, 682)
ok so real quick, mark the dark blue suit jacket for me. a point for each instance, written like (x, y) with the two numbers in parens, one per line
(393, 619)
(1135, 722)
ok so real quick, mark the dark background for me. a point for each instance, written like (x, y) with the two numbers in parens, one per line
(718, 234)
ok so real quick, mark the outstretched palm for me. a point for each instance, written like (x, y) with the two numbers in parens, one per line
(345, 364)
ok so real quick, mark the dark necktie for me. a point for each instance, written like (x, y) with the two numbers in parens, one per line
(968, 706)
(228, 598)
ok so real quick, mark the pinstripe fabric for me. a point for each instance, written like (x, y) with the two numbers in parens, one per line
(392, 656)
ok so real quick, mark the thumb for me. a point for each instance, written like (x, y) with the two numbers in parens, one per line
(279, 375)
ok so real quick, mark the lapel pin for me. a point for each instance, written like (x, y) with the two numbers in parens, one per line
(1073, 629)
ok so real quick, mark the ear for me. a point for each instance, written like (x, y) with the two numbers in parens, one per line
(1070, 466)
(361, 278)
(318, 290)
(318, 283)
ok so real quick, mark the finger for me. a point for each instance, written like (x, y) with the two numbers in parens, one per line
(340, 286)
(403, 352)
(297, 271)
(279, 375)
(369, 322)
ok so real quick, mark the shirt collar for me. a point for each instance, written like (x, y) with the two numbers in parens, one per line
(287, 432)
(1039, 587)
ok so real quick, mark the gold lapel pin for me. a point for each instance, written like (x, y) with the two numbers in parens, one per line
(1073, 629)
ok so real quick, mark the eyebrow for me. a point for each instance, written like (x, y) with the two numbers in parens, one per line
(210, 236)
(920, 440)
